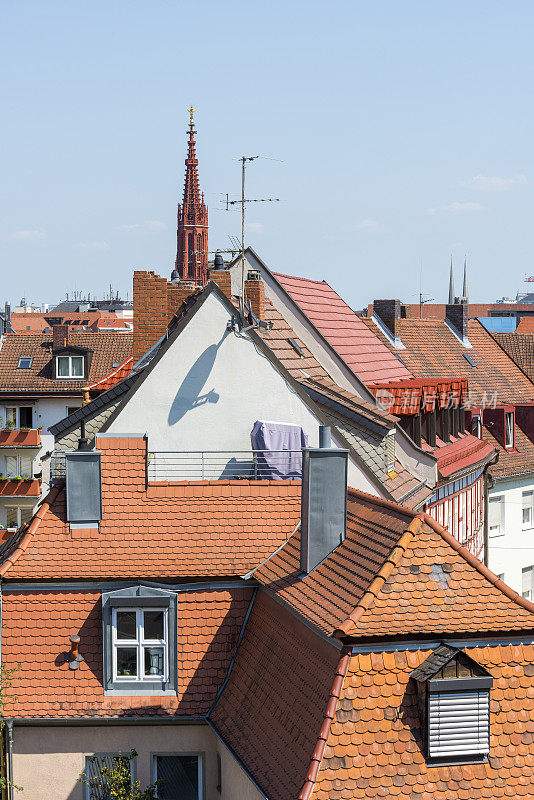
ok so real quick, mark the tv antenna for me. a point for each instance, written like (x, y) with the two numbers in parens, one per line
(242, 202)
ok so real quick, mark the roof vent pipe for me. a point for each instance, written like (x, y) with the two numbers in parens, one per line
(325, 438)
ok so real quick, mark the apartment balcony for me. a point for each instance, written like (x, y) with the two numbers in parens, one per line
(23, 437)
(23, 487)
(211, 465)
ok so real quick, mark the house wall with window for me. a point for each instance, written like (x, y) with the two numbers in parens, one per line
(511, 532)
(37, 750)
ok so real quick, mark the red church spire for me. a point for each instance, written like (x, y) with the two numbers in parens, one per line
(192, 233)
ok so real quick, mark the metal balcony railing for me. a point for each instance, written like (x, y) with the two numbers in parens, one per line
(210, 465)
(225, 465)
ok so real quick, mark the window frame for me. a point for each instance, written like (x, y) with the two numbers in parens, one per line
(509, 432)
(528, 594)
(70, 358)
(19, 510)
(25, 475)
(16, 416)
(139, 597)
(502, 524)
(476, 425)
(458, 686)
(140, 643)
(102, 754)
(525, 526)
(201, 757)
(25, 358)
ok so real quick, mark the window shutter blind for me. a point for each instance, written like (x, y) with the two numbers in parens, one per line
(458, 723)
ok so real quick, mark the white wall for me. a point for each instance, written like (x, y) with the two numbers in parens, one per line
(513, 550)
(208, 390)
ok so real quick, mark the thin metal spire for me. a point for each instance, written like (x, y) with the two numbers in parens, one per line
(451, 286)
(464, 292)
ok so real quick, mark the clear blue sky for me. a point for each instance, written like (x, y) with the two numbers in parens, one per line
(405, 130)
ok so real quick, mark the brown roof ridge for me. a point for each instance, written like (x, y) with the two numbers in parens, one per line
(381, 577)
(32, 529)
(477, 564)
(331, 708)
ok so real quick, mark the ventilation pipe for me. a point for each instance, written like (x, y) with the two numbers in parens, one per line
(323, 502)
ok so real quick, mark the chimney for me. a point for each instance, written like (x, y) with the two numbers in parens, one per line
(456, 317)
(255, 294)
(389, 313)
(7, 315)
(60, 336)
(221, 276)
(324, 501)
(155, 303)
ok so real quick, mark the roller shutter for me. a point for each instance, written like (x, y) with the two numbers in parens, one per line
(458, 723)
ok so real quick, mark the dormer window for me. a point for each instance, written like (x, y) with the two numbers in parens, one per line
(453, 694)
(69, 366)
(476, 426)
(509, 429)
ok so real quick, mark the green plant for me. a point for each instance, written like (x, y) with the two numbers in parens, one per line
(115, 782)
(7, 675)
(9, 423)
(17, 477)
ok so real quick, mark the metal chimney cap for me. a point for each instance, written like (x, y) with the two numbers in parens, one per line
(175, 277)
(218, 261)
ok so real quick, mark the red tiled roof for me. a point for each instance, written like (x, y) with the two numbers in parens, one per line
(38, 322)
(396, 572)
(190, 529)
(520, 347)
(107, 349)
(433, 351)
(116, 375)
(26, 437)
(464, 451)
(345, 331)
(526, 325)
(13, 488)
(375, 747)
(274, 704)
(209, 625)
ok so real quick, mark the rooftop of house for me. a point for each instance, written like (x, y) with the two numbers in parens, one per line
(41, 322)
(433, 351)
(520, 347)
(109, 350)
(344, 330)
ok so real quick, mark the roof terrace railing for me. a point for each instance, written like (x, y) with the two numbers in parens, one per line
(199, 465)
(255, 465)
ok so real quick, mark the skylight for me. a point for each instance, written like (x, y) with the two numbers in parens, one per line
(469, 359)
(296, 347)
(24, 362)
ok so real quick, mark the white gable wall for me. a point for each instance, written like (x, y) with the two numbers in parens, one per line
(206, 392)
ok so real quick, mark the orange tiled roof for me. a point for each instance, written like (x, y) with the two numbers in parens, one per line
(520, 347)
(526, 325)
(374, 746)
(209, 623)
(39, 322)
(433, 351)
(116, 375)
(395, 573)
(108, 349)
(168, 530)
(344, 330)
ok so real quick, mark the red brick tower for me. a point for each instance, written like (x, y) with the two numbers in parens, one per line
(192, 234)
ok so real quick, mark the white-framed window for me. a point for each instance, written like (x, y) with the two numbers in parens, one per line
(19, 466)
(25, 362)
(69, 366)
(527, 502)
(496, 516)
(528, 582)
(19, 417)
(18, 515)
(181, 775)
(140, 644)
(509, 428)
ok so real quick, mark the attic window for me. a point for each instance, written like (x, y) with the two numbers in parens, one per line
(296, 347)
(69, 366)
(454, 705)
(469, 359)
(509, 429)
(476, 426)
(24, 362)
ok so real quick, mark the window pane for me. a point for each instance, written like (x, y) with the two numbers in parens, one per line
(77, 366)
(62, 366)
(11, 466)
(127, 662)
(126, 625)
(526, 516)
(153, 660)
(98, 784)
(178, 776)
(154, 624)
(12, 517)
(26, 464)
(11, 415)
(25, 515)
(25, 417)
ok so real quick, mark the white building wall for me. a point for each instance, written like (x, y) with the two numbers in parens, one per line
(209, 388)
(512, 549)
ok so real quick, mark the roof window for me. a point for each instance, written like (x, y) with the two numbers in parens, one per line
(25, 362)
(509, 429)
(454, 703)
(469, 359)
(296, 347)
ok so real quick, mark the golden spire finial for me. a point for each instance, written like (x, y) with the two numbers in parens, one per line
(191, 112)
